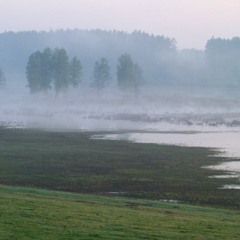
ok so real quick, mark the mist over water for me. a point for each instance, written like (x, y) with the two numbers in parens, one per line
(173, 90)
(84, 109)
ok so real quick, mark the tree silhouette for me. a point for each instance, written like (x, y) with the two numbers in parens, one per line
(101, 74)
(129, 74)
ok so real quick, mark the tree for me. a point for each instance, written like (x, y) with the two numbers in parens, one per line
(33, 72)
(125, 71)
(129, 74)
(222, 58)
(60, 70)
(138, 78)
(39, 71)
(75, 72)
(2, 78)
(51, 68)
(101, 74)
(46, 69)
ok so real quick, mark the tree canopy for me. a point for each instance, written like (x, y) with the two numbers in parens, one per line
(61, 78)
(75, 72)
(129, 74)
(51, 69)
(153, 52)
(39, 71)
(223, 61)
(2, 78)
(101, 74)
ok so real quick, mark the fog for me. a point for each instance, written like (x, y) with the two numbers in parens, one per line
(152, 110)
(180, 90)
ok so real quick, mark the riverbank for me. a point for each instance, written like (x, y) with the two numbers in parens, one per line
(73, 161)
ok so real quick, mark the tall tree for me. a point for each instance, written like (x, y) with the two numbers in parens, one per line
(223, 61)
(129, 74)
(125, 71)
(60, 70)
(2, 78)
(75, 72)
(46, 69)
(39, 71)
(101, 74)
(33, 72)
(138, 78)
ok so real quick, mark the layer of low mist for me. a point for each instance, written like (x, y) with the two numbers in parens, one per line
(85, 110)
(181, 90)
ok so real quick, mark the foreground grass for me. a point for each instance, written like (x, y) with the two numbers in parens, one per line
(74, 162)
(27, 213)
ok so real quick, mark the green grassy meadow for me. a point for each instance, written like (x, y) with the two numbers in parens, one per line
(65, 185)
(39, 214)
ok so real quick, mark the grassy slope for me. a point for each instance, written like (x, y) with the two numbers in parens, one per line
(39, 214)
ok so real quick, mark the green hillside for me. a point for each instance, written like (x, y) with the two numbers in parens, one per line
(38, 214)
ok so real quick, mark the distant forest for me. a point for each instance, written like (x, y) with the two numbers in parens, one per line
(162, 64)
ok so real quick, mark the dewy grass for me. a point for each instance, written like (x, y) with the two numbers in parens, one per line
(40, 214)
(74, 162)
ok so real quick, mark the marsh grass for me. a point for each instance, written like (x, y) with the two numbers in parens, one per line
(73, 162)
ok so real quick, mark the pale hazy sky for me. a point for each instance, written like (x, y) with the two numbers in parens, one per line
(190, 22)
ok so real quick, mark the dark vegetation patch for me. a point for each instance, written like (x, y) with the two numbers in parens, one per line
(74, 162)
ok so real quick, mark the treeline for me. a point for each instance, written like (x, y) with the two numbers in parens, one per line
(223, 61)
(153, 53)
(52, 69)
(216, 66)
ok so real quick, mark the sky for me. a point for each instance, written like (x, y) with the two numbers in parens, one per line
(190, 22)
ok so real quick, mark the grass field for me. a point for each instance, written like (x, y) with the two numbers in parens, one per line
(27, 213)
(98, 189)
